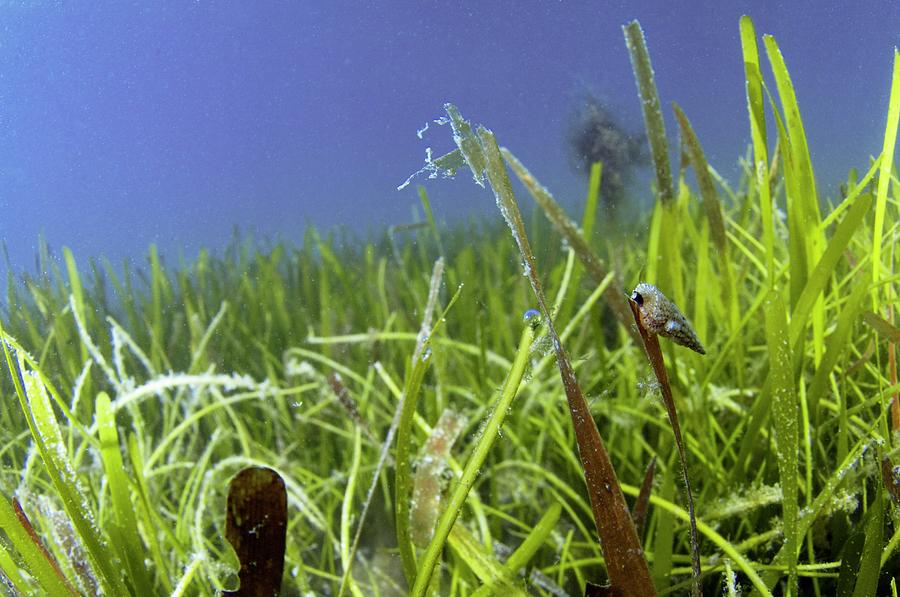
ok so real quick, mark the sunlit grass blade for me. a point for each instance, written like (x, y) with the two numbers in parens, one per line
(526, 550)
(11, 568)
(160, 292)
(482, 562)
(800, 163)
(884, 173)
(835, 346)
(124, 532)
(860, 188)
(785, 410)
(421, 358)
(38, 561)
(348, 548)
(589, 217)
(150, 517)
(625, 562)
(54, 454)
(77, 290)
(488, 435)
(760, 166)
(798, 252)
(823, 270)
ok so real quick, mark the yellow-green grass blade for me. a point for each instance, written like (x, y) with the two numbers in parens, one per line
(124, 532)
(8, 565)
(804, 220)
(524, 553)
(77, 291)
(823, 499)
(588, 221)
(760, 167)
(429, 216)
(481, 561)
(589, 216)
(488, 435)
(706, 284)
(665, 246)
(797, 249)
(347, 551)
(870, 559)
(835, 346)
(49, 439)
(158, 294)
(152, 519)
(884, 173)
(422, 356)
(801, 163)
(785, 410)
(823, 270)
(36, 560)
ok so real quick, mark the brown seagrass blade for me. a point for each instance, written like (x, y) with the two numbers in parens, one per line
(255, 525)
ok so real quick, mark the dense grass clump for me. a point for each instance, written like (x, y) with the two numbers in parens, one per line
(400, 375)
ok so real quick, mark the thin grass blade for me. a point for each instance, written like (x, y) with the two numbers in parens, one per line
(650, 342)
(127, 538)
(760, 167)
(785, 410)
(653, 118)
(884, 174)
(486, 439)
(557, 216)
(38, 561)
(626, 565)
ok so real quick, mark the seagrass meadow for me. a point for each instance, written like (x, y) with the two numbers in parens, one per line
(480, 409)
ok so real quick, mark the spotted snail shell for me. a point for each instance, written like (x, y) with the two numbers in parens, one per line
(660, 316)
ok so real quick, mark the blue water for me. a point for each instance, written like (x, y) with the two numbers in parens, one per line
(170, 123)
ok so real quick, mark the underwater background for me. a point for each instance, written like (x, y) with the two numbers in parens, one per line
(125, 124)
(407, 299)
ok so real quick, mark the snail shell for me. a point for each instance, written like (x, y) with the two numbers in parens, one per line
(660, 316)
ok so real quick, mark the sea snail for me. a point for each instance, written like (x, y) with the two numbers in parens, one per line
(660, 316)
